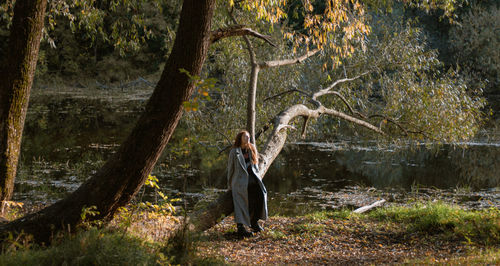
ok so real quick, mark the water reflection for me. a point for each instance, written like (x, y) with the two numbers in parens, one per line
(335, 165)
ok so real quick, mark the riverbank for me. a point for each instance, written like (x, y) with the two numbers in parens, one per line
(423, 232)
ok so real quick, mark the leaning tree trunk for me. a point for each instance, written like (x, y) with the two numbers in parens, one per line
(125, 172)
(223, 206)
(16, 78)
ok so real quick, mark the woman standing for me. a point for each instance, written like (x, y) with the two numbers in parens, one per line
(249, 193)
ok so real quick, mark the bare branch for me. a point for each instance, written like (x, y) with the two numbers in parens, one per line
(285, 92)
(286, 62)
(351, 119)
(406, 131)
(225, 148)
(304, 128)
(387, 119)
(345, 102)
(238, 30)
(327, 89)
(263, 129)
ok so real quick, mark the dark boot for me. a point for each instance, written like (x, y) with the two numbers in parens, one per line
(256, 228)
(242, 231)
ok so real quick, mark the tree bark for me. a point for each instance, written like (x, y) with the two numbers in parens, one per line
(126, 171)
(252, 90)
(16, 79)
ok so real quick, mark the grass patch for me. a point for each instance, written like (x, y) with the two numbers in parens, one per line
(275, 234)
(476, 257)
(482, 226)
(325, 215)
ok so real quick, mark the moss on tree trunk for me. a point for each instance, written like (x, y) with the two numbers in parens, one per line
(16, 79)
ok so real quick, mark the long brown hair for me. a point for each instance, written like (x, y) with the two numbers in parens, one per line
(237, 143)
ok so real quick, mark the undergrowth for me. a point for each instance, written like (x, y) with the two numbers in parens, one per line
(144, 233)
(91, 247)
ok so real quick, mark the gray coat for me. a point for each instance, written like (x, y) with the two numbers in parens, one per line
(237, 182)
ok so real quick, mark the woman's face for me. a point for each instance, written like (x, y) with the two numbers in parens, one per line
(245, 137)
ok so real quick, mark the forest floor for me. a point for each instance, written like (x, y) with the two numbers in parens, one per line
(336, 240)
(420, 233)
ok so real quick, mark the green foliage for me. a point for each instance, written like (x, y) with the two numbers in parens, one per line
(161, 207)
(475, 42)
(108, 40)
(482, 226)
(87, 215)
(407, 92)
(202, 88)
(448, 7)
(275, 234)
(122, 23)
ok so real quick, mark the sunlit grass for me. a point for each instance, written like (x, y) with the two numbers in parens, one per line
(324, 215)
(481, 226)
(475, 257)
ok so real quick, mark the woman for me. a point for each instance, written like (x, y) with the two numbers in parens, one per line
(249, 193)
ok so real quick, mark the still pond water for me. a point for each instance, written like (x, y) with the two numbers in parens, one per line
(67, 139)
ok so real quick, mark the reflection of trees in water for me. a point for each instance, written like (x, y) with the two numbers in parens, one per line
(300, 166)
(64, 124)
(446, 167)
(479, 166)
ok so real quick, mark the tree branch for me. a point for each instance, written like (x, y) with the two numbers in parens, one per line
(327, 89)
(285, 92)
(286, 62)
(263, 129)
(349, 118)
(346, 103)
(387, 119)
(238, 30)
(304, 128)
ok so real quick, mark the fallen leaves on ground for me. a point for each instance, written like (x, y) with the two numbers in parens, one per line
(301, 240)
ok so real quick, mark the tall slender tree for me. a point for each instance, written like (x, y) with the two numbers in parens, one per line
(16, 77)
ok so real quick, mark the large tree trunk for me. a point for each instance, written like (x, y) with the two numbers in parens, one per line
(16, 78)
(122, 176)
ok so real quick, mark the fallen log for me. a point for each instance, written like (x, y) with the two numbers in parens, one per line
(369, 207)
